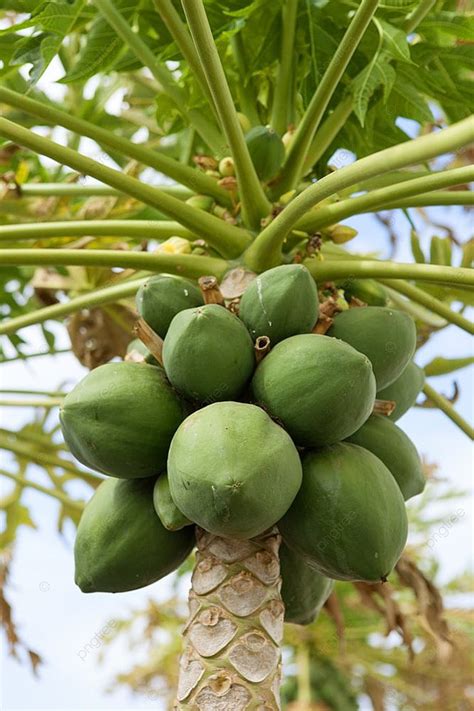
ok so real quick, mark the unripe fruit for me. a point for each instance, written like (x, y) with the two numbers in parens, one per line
(161, 297)
(226, 167)
(201, 202)
(266, 151)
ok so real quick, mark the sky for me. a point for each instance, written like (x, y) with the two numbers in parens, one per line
(61, 623)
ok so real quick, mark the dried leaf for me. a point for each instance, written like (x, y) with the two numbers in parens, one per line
(99, 335)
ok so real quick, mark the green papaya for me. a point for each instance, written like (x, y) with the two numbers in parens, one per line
(367, 290)
(121, 544)
(386, 336)
(348, 520)
(166, 510)
(120, 419)
(404, 390)
(392, 446)
(280, 303)
(137, 346)
(208, 354)
(321, 389)
(232, 470)
(160, 298)
(303, 590)
(267, 151)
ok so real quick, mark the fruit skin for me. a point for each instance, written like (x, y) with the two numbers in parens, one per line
(386, 336)
(232, 470)
(120, 419)
(404, 390)
(348, 520)
(367, 290)
(166, 510)
(280, 303)
(321, 389)
(303, 590)
(120, 542)
(267, 151)
(392, 446)
(208, 354)
(160, 298)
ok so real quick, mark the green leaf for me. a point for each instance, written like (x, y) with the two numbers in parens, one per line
(460, 26)
(395, 42)
(442, 366)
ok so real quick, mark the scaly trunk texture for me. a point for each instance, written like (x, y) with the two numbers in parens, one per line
(231, 658)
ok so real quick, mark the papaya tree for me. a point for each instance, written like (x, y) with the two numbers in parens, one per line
(254, 416)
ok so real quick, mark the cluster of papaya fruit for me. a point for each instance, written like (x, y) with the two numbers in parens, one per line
(234, 439)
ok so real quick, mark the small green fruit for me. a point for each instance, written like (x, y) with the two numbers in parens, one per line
(138, 347)
(160, 298)
(348, 520)
(321, 389)
(267, 151)
(201, 202)
(120, 419)
(232, 470)
(404, 390)
(303, 590)
(367, 290)
(280, 303)
(121, 544)
(386, 336)
(167, 511)
(226, 167)
(208, 354)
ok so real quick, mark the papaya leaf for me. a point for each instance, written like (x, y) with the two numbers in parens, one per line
(395, 42)
(416, 250)
(460, 26)
(442, 366)
(16, 515)
(408, 102)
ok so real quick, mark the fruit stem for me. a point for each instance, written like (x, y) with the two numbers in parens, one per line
(384, 407)
(265, 251)
(231, 656)
(393, 196)
(195, 180)
(445, 406)
(210, 290)
(262, 347)
(162, 75)
(226, 238)
(430, 302)
(283, 82)
(132, 229)
(150, 339)
(254, 203)
(63, 498)
(306, 131)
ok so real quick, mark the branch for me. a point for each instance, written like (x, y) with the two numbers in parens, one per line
(371, 268)
(134, 229)
(255, 205)
(192, 178)
(266, 249)
(31, 454)
(435, 305)
(162, 75)
(393, 196)
(281, 101)
(226, 238)
(47, 403)
(73, 190)
(293, 167)
(54, 493)
(446, 407)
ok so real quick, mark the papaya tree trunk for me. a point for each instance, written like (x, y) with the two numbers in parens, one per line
(231, 657)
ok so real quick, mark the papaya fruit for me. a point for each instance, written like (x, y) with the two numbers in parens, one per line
(267, 151)
(121, 544)
(280, 303)
(232, 470)
(120, 419)
(166, 510)
(367, 290)
(303, 590)
(386, 336)
(392, 446)
(137, 346)
(160, 298)
(208, 354)
(404, 390)
(321, 389)
(348, 520)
